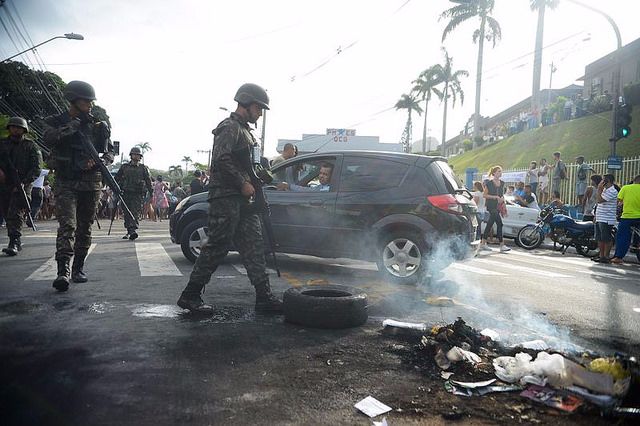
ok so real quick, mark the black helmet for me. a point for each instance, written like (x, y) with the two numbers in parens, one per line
(250, 93)
(79, 90)
(135, 150)
(18, 122)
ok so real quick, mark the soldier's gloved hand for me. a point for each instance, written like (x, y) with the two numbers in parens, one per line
(107, 157)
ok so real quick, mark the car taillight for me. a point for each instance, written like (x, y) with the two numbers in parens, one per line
(447, 203)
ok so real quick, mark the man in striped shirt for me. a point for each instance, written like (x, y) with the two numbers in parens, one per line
(607, 196)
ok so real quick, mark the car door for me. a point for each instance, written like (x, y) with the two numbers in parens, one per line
(517, 217)
(302, 216)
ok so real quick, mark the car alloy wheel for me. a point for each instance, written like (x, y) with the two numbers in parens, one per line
(193, 237)
(401, 257)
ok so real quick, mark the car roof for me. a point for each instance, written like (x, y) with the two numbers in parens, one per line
(398, 156)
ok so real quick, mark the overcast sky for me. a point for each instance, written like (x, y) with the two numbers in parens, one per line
(163, 68)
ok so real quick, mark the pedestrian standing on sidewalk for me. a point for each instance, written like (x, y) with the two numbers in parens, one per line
(607, 196)
(230, 190)
(543, 181)
(532, 177)
(478, 197)
(590, 199)
(493, 189)
(559, 172)
(581, 178)
(629, 196)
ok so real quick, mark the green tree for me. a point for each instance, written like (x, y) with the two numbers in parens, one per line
(540, 6)
(175, 170)
(451, 89)
(186, 160)
(144, 147)
(489, 30)
(424, 87)
(411, 104)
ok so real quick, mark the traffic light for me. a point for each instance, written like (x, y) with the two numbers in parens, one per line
(623, 120)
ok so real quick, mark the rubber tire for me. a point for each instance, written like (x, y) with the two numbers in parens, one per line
(537, 244)
(421, 245)
(186, 233)
(325, 306)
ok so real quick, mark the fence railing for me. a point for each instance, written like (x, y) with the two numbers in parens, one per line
(630, 169)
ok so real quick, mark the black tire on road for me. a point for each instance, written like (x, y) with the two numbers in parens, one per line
(191, 239)
(530, 237)
(325, 306)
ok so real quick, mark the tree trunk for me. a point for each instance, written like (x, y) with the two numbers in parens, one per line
(476, 114)
(537, 62)
(407, 148)
(424, 130)
(444, 119)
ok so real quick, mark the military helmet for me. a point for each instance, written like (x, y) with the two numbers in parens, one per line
(79, 90)
(135, 150)
(18, 122)
(250, 93)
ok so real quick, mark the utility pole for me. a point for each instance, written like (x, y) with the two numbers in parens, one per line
(553, 69)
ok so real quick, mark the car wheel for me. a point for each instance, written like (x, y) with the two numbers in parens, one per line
(530, 237)
(400, 257)
(193, 236)
(326, 306)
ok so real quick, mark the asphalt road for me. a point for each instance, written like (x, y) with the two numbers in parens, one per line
(117, 350)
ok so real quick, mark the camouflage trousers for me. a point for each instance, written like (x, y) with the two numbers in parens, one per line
(134, 202)
(13, 212)
(229, 227)
(75, 211)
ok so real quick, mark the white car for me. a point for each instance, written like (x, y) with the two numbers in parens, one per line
(517, 217)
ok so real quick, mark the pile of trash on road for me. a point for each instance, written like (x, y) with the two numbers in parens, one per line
(475, 363)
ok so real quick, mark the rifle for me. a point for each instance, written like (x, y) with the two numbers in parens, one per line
(15, 178)
(106, 175)
(260, 204)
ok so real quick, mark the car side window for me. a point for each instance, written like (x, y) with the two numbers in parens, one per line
(370, 174)
(305, 174)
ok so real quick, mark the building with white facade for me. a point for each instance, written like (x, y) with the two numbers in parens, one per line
(338, 139)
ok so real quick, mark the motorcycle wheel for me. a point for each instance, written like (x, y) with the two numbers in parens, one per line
(530, 237)
(583, 250)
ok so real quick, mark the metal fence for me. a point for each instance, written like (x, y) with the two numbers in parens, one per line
(630, 169)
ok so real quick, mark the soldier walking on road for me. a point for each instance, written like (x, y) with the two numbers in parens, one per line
(133, 178)
(230, 221)
(78, 178)
(20, 161)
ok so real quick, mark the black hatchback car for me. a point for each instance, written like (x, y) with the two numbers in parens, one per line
(399, 210)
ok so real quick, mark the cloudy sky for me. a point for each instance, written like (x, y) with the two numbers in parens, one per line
(163, 69)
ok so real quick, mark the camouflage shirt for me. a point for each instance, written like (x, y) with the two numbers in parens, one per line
(25, 157)
(232, 138)
(134, 178)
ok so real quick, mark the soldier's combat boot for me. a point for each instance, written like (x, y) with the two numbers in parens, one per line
(61, 283)
(126, 237)
(266, 302)
(194, 303)
(77, 275)
(133, 235)
(13, 247)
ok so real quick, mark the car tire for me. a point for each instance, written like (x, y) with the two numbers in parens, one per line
(530, 237)
(191, 239)
(327, 306)
(409, 264)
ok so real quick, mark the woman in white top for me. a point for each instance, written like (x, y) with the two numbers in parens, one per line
(543, 182)
(478, 197)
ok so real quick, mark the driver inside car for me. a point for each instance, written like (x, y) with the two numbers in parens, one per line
(324, 177)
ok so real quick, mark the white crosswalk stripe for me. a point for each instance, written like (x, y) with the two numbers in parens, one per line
(49, 269)
(520, 268)
(153, 261)
(468, 268)
(240, 268)
(584, 263)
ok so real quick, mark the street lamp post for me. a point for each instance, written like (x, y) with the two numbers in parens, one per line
(70, 36)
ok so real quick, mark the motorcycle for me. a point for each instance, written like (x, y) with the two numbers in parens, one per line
(562, 230)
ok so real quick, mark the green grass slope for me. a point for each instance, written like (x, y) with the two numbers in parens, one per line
(588, 136)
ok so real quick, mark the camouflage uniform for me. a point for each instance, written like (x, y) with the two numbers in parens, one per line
(228, 223)
(25, 156)
(77, 188)
(133, 179)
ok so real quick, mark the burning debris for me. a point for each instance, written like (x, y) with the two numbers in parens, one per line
(475, 363)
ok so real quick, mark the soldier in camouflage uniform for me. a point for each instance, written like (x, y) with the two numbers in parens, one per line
(230, 189)
(19, 152)
(78, 179)
(133, 178)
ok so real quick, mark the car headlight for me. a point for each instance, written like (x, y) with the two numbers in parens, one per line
(181, 204)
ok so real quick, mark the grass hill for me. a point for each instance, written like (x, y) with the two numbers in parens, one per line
(588, 136)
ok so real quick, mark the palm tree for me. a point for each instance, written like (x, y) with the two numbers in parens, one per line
(144, 147)
(489, 30)
(175, 170)
(186, 160)
(424, 87)
(540, 6)
(410, 103)
(451, 88)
